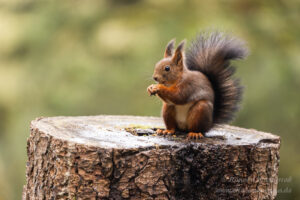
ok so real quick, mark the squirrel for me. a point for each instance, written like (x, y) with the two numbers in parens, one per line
(197, 88)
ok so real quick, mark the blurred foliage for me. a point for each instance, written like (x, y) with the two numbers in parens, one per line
(97, 57)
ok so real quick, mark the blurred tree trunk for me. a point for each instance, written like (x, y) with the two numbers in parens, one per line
(118, 157)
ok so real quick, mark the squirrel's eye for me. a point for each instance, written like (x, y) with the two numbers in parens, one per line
(167, 68)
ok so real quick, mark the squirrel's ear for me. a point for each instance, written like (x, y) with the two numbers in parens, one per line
(169, 48)
(178, 56)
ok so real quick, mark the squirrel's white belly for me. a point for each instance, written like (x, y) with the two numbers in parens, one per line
(181, 115)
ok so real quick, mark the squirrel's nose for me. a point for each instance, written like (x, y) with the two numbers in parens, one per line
(155, 78)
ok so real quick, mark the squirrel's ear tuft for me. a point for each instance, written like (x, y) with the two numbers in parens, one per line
(181, 45)
(169, 48)
(178, 56)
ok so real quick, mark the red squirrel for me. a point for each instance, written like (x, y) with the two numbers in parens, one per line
(197, 88)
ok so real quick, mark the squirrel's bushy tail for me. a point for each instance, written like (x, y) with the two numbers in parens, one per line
(210, 53)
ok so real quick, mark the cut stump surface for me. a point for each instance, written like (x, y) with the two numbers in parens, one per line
(121, 157)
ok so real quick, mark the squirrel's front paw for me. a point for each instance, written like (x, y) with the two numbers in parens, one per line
(152, 89)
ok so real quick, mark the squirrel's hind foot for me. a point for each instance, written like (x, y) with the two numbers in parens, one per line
(165, 132)
(193, 135)
(159, 131)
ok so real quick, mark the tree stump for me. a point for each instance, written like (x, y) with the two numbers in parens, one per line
(121, 157)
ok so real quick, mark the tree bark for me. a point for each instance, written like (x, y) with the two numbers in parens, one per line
(121, 157)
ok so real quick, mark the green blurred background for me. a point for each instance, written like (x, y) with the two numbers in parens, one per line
(97, 57)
